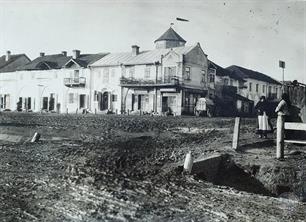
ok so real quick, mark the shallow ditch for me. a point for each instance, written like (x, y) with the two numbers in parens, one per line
(269, 180)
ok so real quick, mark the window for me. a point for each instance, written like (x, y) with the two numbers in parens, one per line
(169, 72)
(71, 97)
(113, 73)
(226, 82)
(270, 89)
(187, 73)
(114, 98)
(147, 72)
(203, 72)
(250, 87)
(106, 75)
(211, 77)
(132, 71)
(76, 74)
(263, 88)
(99, 74)
(257, 87)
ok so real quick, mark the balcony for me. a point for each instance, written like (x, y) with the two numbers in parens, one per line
(138, 83)
(75, 82)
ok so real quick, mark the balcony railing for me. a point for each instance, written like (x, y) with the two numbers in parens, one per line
(75, 82)
(142, 82)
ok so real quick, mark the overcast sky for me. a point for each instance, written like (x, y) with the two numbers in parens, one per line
(254, 34)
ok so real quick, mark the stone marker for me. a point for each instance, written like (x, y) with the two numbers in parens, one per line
(188, 163)
(235, 144)
(35, 137)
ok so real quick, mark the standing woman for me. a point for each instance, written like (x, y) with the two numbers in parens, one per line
(263, 120)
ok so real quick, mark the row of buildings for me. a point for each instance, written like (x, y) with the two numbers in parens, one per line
(170, 77)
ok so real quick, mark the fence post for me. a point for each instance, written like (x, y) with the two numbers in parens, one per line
(76, 112)
(280, 137)
(235, 144)
(66, 110)
(95, 111)
(128, 112)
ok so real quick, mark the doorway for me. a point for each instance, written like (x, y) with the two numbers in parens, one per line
(164, 104)
(82, 101)
(104, 101)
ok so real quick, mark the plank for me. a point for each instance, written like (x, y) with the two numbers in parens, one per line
(296, 141)
(295, 126)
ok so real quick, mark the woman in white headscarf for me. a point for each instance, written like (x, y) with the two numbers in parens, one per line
(264, 127)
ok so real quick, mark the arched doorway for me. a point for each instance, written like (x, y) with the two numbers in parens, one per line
(104, 101)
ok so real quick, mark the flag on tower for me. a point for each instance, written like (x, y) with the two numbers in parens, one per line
(182, 20)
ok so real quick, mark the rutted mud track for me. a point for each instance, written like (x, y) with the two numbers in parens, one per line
(118, 168)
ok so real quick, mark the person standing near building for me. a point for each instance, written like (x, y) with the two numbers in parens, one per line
(263, 119)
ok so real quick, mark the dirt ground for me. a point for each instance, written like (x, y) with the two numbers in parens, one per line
(124, 168)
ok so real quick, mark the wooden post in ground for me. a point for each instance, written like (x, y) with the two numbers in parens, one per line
(235, 144)
(35, 138)
(188, 163)
(116, 111)
(280, 137)
(66, 110)
(128, 112)
(95, 111)
(76, 112)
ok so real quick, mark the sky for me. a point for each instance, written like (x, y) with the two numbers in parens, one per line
(254, 34)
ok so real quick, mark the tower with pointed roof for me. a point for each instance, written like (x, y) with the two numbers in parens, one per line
(169, 39)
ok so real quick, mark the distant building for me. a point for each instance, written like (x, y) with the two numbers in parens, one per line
(257, 84)
(9, 63)
(55, 83)
(228, 88)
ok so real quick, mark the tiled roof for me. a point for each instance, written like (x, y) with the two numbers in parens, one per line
(144, 57)
(247, 73)
(170, 35)
(9, 66)
(57, 61)
(220, 71)
(54, 61)
(113, 59)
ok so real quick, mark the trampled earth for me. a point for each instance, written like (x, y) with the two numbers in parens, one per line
(128, 168)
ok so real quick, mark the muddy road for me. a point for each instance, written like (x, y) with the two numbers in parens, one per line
(127, 168)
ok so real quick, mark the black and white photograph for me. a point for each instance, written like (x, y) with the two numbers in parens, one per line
(153, 110)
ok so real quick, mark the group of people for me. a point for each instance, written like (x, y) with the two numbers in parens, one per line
(264, 112)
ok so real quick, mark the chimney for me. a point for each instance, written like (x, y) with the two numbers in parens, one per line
(76, 53)
(64, 53)
(41, 54)
(135, 50)
(8, 55)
